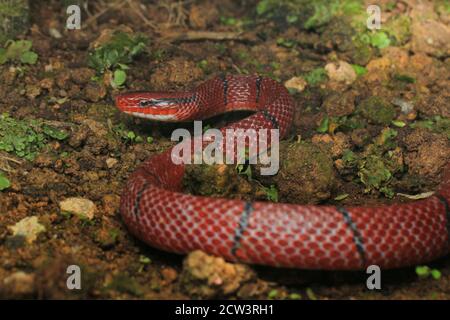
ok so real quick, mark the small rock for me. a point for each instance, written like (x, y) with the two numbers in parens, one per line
(405, 106)
(111, 203)
(169, 275)
(18, 284)
(431, 37)
(296, 83)
(427, 152)
(111, 162)
(28, 227)
(83, 208)
(96, 127)
(306, 173)
(79, 137)
(341, 72)
(32, 91)
(377, 110)
(208, 276)
(106, 237)
(335, 144)
(82, 75)
(339, 104)
(62, 80)
(46, 83)
(378, 70)
(54, 33)
(94, 92)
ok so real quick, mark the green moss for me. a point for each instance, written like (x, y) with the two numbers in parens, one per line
(125, 284)
(378, 163)
(306, 173)
(399, 28)
(376, 110)
(316, 76)
(436, 124)
(362, 53)
(374, 173)
(305, 13)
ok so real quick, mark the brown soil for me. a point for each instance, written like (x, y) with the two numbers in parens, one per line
(94, 162)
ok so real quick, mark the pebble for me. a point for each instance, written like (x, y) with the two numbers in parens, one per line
(296, 83)
(111, 162)
(83, 208)
(28, 227)
(341, 72)
(19, 284)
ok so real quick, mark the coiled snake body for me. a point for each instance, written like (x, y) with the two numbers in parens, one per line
(275, 234)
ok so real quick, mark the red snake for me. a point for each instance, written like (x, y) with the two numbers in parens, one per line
(286, 235)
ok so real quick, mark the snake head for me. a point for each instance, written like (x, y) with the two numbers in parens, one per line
(155, 105)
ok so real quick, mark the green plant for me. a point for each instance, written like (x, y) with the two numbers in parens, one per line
(25, 138)
(349, 158)
(116, 54)
(271, 193)
(436, 124)
(380, 40)
(18, 51)
(425, 272)
(128, 136)
(244, 170)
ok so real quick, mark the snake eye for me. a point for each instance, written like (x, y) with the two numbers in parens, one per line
(144, 103)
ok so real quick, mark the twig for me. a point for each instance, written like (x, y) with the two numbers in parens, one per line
(4, 165)
(204, 35)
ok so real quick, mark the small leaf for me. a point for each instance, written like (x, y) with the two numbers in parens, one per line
(295, 296)
(311, 295)
(422, 271)
(359, 70)
(323, 127)
(4, 182)
(341, 197)
(272, 294)
(119, 77)
(262, 7)
(54, 133)
(398, 123)
(131, 135)
(144, 260)
(29, 57)
(436, 274)
(3, 57)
